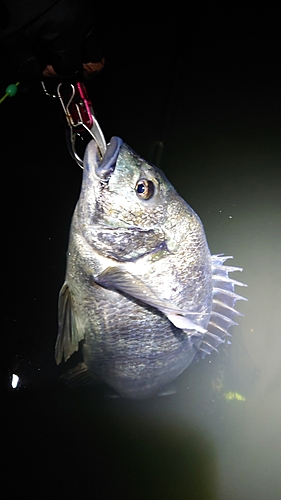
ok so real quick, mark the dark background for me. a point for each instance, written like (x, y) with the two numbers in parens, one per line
(206, 84)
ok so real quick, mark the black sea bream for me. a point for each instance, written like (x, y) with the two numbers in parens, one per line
(142, 292)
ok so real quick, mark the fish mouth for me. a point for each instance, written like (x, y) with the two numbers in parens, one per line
(106, 167)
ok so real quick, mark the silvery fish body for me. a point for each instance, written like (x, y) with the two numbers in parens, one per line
(142, 290)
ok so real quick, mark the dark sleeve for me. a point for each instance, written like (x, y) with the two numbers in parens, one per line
(55, 37)
(18, 14)
(61, 32)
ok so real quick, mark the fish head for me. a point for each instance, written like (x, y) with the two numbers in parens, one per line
(128, 208)
(125, 189)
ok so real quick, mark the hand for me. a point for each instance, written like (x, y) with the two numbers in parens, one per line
(90, 68)
(49, 71)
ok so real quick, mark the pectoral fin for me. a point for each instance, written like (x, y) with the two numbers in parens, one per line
(118, 279)
(184, 323)
(70, 329)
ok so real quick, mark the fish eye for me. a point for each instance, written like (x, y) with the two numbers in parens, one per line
(144, 189)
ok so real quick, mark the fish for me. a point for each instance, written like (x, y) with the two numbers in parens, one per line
(143, 295)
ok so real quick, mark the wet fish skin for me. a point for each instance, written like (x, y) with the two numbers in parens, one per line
(139, 287)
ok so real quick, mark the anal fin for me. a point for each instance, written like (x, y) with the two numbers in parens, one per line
(80, 376)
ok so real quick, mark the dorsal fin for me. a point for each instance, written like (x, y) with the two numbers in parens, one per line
(223, 307)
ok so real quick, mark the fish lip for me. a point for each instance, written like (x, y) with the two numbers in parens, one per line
(106, 167)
